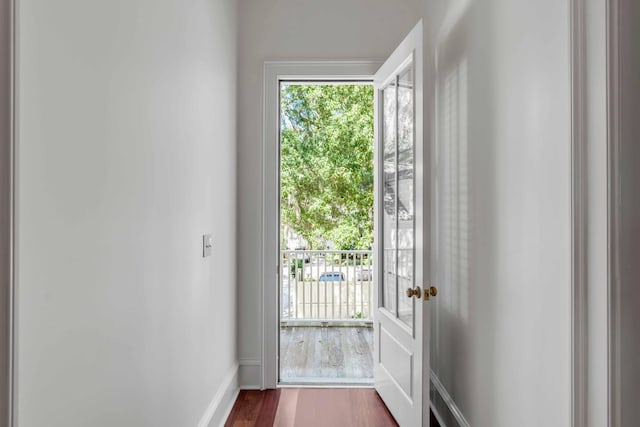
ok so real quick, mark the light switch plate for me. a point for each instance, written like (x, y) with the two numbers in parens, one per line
(207, 245)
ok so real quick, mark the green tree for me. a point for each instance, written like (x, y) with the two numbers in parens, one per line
(327, 163)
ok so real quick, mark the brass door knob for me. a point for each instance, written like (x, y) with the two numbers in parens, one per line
(417, 292)
(431, 292)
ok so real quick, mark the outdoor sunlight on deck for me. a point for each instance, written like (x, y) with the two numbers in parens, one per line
(325, 323)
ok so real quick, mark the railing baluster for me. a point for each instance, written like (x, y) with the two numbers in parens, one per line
(317, 295)
(355, 288)
(361, 282)
(324, 285)
(281, 276)
(285, 272)
(352, 263)
(295, 301)
(362, 286)
(288, 270)
(370, 278)
(333, 300)
(340, 302)
(346, 278)
(347, 254)
(347, 287)
(352, 312)
(304, 292)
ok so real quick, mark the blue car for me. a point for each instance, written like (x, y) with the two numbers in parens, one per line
(333, 276)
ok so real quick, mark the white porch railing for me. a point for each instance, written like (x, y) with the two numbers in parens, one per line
(332, 287)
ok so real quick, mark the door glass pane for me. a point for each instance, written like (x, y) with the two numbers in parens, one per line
(389, 222)
(405, 200)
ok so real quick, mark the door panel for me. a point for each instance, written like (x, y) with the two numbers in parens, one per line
(405, 201)
(389, 167)
(401, 321)
(397, 360)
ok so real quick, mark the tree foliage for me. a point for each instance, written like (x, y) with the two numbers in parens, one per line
(327, 164)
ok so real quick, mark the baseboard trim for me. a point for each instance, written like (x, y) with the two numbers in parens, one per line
(250, 377)
(442, 400)
(438, 416)
(222, 402)
(250, 387)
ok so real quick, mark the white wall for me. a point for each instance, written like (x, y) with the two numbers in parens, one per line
(126, 158)
(292, 30)
(501, 327)
(629, 225)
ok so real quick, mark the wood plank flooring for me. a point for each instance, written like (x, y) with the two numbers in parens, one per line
(308, 407)
(326, 354)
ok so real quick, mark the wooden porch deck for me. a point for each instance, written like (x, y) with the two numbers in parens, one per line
(312, 354)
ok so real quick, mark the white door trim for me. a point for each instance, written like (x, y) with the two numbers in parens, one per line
(583, 287)
(613, 212)
(7, 209)
(274, 72)
(579, 226)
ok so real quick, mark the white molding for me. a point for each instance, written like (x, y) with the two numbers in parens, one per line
(12, 347)
(273, 72)
(324, 385)
(229, 407)
(249, 377)
(251, 387)
(613, 210)
(448, 400)
(218, 410)
(579, 206)
(438, 416)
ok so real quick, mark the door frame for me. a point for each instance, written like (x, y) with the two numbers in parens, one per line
(274, 72)
(579, 226)
(595, 209)
(7, 206)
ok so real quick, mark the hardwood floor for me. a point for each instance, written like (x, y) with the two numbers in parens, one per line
(318, 354)
(326, 354)
(308, 407)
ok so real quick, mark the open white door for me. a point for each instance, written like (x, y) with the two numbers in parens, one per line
(401, 316)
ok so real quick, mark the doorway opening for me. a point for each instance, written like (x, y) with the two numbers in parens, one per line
(326, 216)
